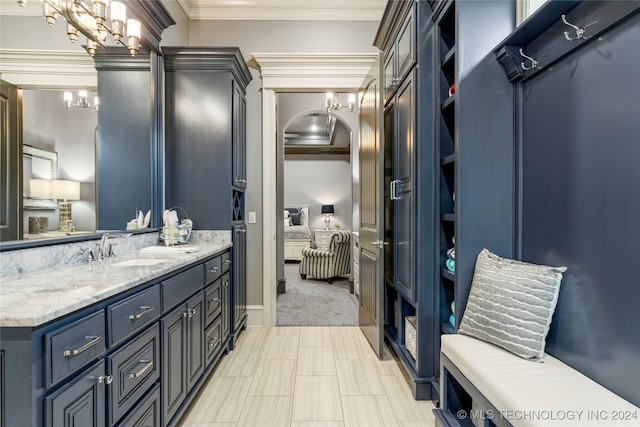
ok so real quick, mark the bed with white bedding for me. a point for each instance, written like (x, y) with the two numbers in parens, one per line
(296, 232)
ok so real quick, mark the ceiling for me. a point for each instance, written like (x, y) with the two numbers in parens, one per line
(335, 10)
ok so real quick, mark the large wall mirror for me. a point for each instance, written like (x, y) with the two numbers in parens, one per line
(59, 154)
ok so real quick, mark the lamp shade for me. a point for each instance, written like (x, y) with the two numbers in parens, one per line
(40, 188)
(65, 190)
(327, 209)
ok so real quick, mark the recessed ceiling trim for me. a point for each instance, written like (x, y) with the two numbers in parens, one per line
(299, 10)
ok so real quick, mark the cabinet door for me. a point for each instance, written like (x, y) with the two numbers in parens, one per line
(239, 275)
(174, 338)
(195, 338)
(81, 403)
(239, 137)
(403, 173)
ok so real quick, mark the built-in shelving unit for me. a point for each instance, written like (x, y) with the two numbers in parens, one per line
(446, 98)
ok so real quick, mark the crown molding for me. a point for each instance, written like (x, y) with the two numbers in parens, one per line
(299, 10)
(313, 71)
(48, 68)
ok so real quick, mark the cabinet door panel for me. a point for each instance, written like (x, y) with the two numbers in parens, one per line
(81, 403)
(195, 337)
(405, 117)
(389, 78)
(174, 384)
(239, 275)
(406, 46)
(226, 306)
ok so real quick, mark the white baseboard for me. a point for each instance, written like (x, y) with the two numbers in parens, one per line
(255, 316)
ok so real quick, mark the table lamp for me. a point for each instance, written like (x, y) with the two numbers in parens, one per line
(65, 191)
(327, 210)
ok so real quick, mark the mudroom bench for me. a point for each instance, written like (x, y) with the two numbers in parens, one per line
(484, 385)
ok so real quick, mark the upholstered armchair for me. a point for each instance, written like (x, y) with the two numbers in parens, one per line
(327, 264)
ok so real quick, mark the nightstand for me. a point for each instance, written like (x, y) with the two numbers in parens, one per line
(322, 238)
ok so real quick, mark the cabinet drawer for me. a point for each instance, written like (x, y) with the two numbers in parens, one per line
(147, 413)
(225, 258)
(80, 403)
(73, 346)
(132, 314)
(213, 341)
(181, 286)
(213, 301)
(213, 269)
(134, 368)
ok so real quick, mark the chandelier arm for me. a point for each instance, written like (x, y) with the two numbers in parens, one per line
(73, 18)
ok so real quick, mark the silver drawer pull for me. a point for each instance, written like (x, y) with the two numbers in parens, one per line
(94, 340)
(148, 364)
(145, 310)
(214, 269)
(213, 344)
(227, 262)
(190, 312)
(105, 379)
(214, 301)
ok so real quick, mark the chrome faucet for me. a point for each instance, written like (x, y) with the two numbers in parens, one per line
(104, 247)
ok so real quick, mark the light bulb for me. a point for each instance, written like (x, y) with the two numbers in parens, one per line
(68, 96)
(352, 98)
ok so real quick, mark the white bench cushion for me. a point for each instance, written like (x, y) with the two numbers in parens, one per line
(545, 393)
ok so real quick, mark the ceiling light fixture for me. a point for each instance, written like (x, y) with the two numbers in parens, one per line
(82, 102)
(333, 102)
(90, 19)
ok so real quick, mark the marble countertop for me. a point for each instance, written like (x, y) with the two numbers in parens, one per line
(33, 299)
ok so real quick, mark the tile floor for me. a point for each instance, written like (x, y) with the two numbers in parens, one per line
(306, 377)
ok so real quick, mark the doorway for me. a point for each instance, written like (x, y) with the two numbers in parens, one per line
(313, 72)
(314, 156)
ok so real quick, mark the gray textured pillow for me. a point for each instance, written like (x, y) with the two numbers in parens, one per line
(511, 304)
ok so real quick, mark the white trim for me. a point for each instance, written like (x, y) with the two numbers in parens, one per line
(333, 10)
(50, 69)
(286, 73)
(255, 316)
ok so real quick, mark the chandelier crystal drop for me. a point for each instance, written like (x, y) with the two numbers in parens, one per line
(90, 19)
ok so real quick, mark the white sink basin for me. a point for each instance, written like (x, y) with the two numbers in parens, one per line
(140, 262)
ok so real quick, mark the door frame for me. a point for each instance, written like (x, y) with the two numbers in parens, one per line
(287, 73)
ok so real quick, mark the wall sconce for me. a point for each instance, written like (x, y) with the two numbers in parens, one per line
(82, 101)
(327, 210)
(65, 191)
(333, 102)
(90, 20)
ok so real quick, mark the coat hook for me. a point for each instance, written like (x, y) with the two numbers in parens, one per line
(579, 31)
(534, 62)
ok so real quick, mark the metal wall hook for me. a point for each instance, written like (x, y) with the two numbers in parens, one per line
(579, 31)
(534, 62)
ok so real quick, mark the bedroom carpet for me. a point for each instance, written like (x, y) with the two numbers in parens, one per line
(313, 302)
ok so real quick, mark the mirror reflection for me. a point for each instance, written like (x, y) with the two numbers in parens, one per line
(59, 164)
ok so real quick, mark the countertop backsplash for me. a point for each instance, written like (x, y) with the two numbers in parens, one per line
(31, 260)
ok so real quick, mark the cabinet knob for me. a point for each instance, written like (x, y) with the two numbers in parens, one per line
(214, 269)
(105, 379)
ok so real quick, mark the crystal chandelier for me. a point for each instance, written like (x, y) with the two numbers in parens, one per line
(82, 102)
(90, 19)
(333, 102)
